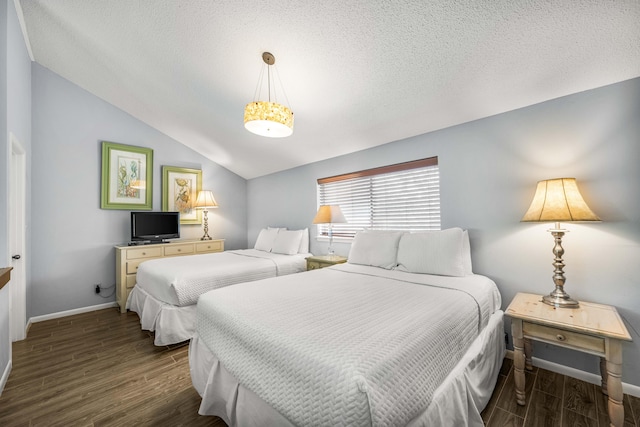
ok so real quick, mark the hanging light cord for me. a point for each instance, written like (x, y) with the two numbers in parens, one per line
(258, 90)
(256, 94)
(282, 86)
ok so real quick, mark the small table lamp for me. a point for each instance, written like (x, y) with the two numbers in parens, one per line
(558, 200)
(205, 201)
(329, 214)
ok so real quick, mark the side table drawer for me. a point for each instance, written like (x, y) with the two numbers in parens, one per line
(564, 338)
(314, 265)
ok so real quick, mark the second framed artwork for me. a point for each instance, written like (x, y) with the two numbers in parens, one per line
(180, 188)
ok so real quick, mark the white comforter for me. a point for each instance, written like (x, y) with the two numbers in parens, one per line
(347, 345)
(181, 280)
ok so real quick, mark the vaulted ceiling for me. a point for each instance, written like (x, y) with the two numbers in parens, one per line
(356, 73)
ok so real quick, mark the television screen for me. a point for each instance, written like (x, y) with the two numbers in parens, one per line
(155, 226)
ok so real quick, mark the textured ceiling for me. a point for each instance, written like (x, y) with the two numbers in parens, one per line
(357, 73)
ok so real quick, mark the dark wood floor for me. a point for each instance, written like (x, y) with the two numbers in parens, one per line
(552, 400)
(100, 369)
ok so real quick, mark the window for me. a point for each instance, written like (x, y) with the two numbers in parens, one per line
(404, 196)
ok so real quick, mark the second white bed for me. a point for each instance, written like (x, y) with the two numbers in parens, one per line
(167, 289)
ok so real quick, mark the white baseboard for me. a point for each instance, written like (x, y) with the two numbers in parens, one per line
(5, 376)
(629, 389)
(59, 314)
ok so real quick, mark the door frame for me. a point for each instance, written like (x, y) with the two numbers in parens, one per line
(17, 238)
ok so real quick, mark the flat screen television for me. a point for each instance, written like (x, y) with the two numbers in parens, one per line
(155, 226)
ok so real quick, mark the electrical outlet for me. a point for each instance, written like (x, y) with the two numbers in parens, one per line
(98, 288)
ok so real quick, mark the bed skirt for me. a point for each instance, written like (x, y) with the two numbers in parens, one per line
(457, 401)
(171, 324)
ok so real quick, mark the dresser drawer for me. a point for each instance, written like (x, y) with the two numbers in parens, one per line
(131, 280)
(204, 247)
(178, 250)
(132, 266)
(144, 253)
(564, 338)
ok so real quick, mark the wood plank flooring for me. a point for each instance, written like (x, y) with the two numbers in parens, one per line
(100, 369)
(553, 400)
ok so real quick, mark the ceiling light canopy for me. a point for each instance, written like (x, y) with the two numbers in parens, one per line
(268, 118)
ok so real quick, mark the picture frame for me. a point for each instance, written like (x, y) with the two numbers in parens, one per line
(127, 177)
(180, 188)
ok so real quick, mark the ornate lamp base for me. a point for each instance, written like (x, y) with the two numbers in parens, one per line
(559, 298)
(206, 227)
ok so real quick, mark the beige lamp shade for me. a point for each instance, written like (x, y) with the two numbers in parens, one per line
(558, 200)
(329, 214)
(205, 200)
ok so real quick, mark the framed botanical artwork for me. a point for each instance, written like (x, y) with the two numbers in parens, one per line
(127, 177)
(180, 188)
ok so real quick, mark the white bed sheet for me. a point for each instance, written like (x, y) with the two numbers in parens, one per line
(181, 280)
(334, 344)
(458, 401)
(171, 324)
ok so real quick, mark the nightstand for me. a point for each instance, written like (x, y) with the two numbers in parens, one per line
(322, 261)
(591, 328)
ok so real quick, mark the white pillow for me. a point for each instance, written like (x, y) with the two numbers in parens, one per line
(304, 242)
(265, 239)
(287, 242)
(432, 252)
(375, 248)
(466, 253)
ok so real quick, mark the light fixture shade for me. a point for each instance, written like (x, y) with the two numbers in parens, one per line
(558, 200)
(268, 119)
(329, 214)
(205, 200)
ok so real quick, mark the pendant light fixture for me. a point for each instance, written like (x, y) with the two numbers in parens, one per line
(268, 118)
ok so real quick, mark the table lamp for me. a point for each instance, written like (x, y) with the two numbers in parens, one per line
(558, 200)
(205, 201)
(329, 214)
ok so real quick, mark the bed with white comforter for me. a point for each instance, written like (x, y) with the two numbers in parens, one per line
(354, 344)
(167, 289)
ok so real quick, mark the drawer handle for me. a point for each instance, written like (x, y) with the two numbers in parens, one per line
(561, 337)
(179, 250)
(144, 253)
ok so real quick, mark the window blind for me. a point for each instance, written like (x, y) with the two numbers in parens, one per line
(404, 196)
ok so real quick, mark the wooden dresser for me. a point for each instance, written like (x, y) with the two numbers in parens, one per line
(129, 257)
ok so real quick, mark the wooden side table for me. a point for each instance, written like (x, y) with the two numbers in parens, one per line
(592, 328)
(322, 261)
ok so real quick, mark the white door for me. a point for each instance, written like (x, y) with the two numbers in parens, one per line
(17, 224)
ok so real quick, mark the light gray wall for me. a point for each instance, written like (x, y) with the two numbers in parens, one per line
(73, 239)
(489, 169)
(15, 117)
(5, 337)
